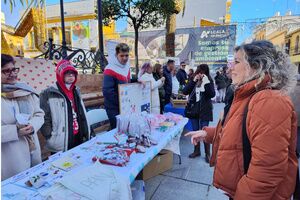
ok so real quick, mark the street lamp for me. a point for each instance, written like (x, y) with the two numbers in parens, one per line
(62, 17)
(100, 33)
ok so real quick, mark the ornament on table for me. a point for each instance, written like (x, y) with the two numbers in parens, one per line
(114, 156)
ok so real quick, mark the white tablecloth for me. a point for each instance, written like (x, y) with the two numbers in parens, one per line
(83, 154)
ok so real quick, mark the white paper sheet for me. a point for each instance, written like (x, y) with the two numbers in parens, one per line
(98, 182)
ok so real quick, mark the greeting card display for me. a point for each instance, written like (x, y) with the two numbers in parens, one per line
(135, 98)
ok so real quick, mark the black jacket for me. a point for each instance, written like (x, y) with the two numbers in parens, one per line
(228, 100)
(168, 84)
(206, 107)
(181, 77)
(220, 82)
(227, 80)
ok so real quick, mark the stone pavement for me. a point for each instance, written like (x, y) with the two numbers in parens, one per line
(192, 180)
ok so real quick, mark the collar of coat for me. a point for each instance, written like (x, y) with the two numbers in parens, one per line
(251, 87)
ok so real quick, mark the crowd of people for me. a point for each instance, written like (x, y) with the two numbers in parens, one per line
(222, 81)
(254, 144)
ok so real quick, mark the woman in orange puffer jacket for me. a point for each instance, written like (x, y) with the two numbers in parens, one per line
(262, 77)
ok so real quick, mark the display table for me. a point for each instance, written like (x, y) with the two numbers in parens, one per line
(15, 187)
(180, 111)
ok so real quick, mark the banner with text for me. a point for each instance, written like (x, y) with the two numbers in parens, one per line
(215, 44)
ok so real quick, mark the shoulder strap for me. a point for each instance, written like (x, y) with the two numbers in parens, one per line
(192, 94)
(246, 143)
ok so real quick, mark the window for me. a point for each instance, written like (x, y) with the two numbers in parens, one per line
(297, 45)
(32, 44)
(26, 41)
(288, 46)
(50, 33)
(56, 39)
(68, 36)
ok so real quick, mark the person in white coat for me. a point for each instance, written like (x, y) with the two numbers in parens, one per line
(145, 74)
(21, 118)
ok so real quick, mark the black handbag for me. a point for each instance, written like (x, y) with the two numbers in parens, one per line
(192, 109)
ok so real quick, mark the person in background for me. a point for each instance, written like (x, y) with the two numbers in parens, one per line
(193, 88)
(175, 82)
(182, 75)
(158, 74)
(229, 94)
(145, 74)
(267, 169)
(65, 124)
(225, 73)
(190, 75)
(221, 85)
(116, 72)
(168, 82)
(20, 147)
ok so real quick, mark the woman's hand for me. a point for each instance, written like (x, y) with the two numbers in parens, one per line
(27, 130)
(196, 136)
(163, 79)
(143, 83)
(196, 78)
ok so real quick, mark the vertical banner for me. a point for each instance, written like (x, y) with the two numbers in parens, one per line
(80, 34)
(215, 44)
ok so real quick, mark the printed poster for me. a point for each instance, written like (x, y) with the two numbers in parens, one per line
(133, 98)
(80, 34)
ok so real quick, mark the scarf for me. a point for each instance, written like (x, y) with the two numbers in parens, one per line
(115, 68)
(16, 91)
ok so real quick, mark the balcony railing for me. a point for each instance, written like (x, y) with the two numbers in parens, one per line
(86, 61)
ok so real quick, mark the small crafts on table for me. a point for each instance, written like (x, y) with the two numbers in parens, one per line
(134, 135)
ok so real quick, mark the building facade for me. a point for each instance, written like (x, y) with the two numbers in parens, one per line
(213, 10)
(284, 32)
(81, 27)
(10, 44)
(293, 47)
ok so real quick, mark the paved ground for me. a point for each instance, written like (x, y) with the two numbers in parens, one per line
(192, 180)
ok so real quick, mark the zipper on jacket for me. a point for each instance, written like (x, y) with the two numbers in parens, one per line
(67, 134)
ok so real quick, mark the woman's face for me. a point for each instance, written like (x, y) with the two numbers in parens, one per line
(149, 70)
(240, 70)
(161, 70)
(9, 74)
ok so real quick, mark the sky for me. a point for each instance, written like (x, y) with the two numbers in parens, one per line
(241, 11)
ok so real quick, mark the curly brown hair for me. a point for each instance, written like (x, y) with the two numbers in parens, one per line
(265, 58)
